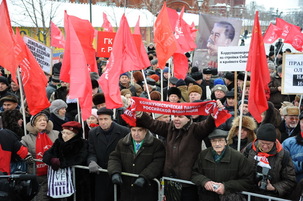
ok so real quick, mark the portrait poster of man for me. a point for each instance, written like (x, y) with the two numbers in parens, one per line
(214, 32)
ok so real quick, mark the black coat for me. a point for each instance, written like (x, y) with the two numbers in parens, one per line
(101, 143)
(148, 162)
(57, 122)
(72, 152)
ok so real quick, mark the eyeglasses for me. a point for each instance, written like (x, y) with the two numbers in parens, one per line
(217, 140)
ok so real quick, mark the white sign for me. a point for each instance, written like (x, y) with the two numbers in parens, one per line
(232, 58)
(41, 52)
(292, 74)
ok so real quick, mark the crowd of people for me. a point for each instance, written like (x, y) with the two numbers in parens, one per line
(186, 147)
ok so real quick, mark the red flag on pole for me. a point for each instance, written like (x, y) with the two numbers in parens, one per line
(259, 77)
(33, 79)
(272, 34)
(142, 51)
(166, 44)
(193, 30)
(57, 38)
(295, 38)
(124, 57)
(74, 67)
(7, 43)
(86, 32)
(286, 27)
(106, 24)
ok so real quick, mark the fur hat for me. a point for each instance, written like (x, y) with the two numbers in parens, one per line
(207, 71)
(194, 88)
(267, 132)
(56, 105)
(4, 80)
(230, 76)
(98, 98)
(220, 87)
(174, 90)
(197, 76)
(95, 84)
(247, 122)
(72, 126)
(155, 95)
(291, 110)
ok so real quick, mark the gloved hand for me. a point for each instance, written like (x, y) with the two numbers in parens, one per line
(29, 159)
(55, 163)
(140, 181)
(116, 179)
(93, 167)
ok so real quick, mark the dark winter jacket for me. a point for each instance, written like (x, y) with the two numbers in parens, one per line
(282, 172)
(148, 163)
(284, 133)
(57, 122)
(182, 145)
(233, 170)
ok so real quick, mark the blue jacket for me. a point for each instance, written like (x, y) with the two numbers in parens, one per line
(295, 147)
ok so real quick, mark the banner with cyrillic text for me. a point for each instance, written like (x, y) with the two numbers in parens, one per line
(161, 107)
(232, 58)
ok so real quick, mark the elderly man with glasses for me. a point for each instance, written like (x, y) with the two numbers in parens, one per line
(289, 127)
(220, 171)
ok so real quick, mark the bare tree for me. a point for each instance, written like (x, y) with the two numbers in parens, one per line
(36, 13)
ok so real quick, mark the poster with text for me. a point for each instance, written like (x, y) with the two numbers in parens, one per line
(292, 74)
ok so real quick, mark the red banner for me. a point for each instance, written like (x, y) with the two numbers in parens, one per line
(106, 41)
(161, 107)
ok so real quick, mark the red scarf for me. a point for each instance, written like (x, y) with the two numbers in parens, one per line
(203, 108)
(43, 143)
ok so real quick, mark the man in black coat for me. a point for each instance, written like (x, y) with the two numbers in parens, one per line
(140, 153)
(102, 141)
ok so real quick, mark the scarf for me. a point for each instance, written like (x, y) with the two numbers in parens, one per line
(43, 143)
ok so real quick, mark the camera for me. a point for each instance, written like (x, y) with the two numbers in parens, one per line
(263, 177)
(215, 186)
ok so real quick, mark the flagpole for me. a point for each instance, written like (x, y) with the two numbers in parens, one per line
(161, 84)
(22, 100)
(80, 120)
(236, 93)
(278, 53)
(241, 112)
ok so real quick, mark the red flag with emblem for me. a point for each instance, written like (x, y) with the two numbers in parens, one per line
(295, 38)
(286, 27)
(123, 58)
(33, 79)
(259, 77)
(272, 34)
(166, 44)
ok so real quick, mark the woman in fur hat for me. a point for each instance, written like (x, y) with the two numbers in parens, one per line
(247, 132)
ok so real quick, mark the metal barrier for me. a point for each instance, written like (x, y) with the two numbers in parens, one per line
(115, 186)
(162, 184)
(248, 194)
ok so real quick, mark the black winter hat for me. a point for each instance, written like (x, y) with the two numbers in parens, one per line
(197, 76)
(4, 80)
(98, 98)
(181, 83)
(104, 110)
(267, 132)
(174, 90)
(230, 76)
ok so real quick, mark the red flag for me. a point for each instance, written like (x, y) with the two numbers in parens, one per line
(33, 79)
(137, 27)
(86, 32)
(295, 38)
(124, 57)
(74, 68)
(180, 65)
(164, 38)
(259, 77)
(106, 24)
(272, 34)
(286, 27)
(7, 43)
(142, 51)
(57, 38)
(193, 30)
(183, 34)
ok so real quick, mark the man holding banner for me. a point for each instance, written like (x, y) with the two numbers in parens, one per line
(183, 144)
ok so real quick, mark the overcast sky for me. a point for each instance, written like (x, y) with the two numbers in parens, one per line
(280, 4)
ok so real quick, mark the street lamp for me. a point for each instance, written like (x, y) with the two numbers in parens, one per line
(200, 3)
